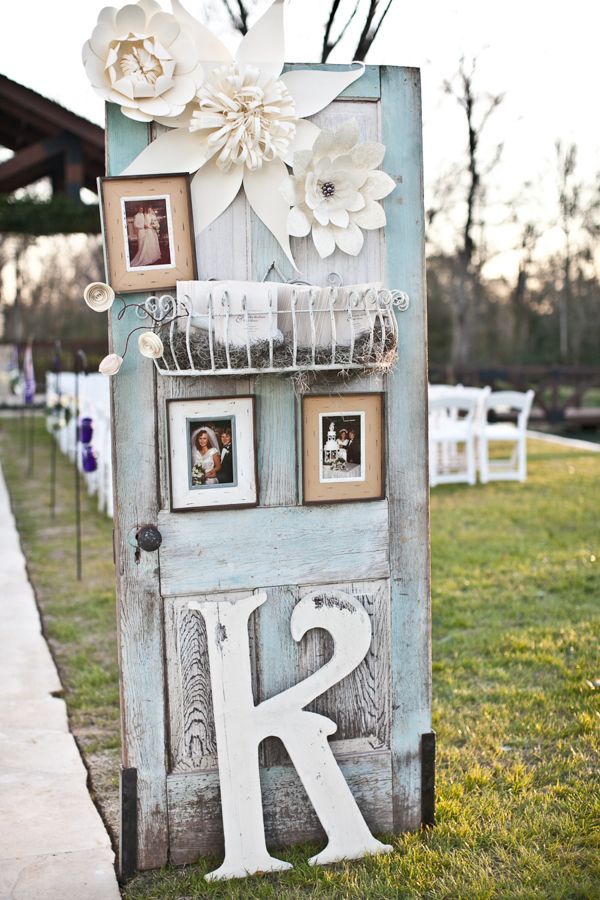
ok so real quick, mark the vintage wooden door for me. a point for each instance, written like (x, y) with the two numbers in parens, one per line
(377, 550)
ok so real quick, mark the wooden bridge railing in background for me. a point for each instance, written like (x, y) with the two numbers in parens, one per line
(564, 395)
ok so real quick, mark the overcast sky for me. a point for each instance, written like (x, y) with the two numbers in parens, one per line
(543, 54)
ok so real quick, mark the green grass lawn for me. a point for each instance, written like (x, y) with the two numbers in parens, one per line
(516, 613)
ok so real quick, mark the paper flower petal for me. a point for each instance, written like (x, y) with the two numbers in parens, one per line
(182, 92)
(208, 46)
(349, 240)
(340, 217)
(212, 192)
(184, 51)
(368, 155)
(261, 187)
(377, 185)
(101, 36)
(176, 151)
(345, 138)
(108, 14)
(179, 121)
(130, 18)
(298, 223)
(323, 240)
(154, 106)
(323, 144)
(165, 27)
(315, 89)
(263, 45)
(306, 135)
(372, 216)
(150, 6)
(136, 114)
(94, 67)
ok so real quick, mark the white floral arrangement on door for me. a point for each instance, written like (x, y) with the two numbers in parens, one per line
(238, 121)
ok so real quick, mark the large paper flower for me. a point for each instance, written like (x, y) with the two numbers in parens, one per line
(334, 190)
(141, 58)
(247, 122)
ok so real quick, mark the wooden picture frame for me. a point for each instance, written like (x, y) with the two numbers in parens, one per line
(195, 429)
(338, 467)
(148, 231)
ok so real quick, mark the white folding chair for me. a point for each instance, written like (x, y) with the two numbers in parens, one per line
(513, 468)
(452, 418)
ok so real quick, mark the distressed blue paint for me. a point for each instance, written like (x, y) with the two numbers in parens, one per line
(288, 814)
(136, 503)
(408, 492)
(272, 546)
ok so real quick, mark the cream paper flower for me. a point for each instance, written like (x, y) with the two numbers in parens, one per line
(141, 58)
(247, 121)
(150, 345)
(99, 296)
(334, 190)
(111, 364)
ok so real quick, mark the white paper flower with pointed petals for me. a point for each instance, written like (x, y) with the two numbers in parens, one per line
(247, 122)
(140, 57)
(334, 190)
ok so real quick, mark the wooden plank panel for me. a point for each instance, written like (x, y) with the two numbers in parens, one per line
(279, 545)
(407, 478)
(138, 601)
(192, 739)
(195, 811)
(360, 704)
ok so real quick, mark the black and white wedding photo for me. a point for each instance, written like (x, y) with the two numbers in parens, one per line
(212, 456)
(342, 446)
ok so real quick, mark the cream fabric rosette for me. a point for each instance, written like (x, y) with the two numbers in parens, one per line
(150, 345)
(99, 296)
(335, 189)
(111, 364)
(141, 58)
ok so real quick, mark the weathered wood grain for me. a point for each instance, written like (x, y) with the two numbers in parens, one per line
(277, 545)
(195, 811)
(138, 599)
(360, 704)
(192, 741)
(408, 492)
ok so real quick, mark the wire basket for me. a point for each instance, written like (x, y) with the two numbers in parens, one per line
(214, 328)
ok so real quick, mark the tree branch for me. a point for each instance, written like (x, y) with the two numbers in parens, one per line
(370, 31)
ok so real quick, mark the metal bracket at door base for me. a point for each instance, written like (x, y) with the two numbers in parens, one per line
(128, 843)
(428, 779)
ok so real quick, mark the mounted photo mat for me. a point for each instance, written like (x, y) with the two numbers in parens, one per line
(212, 461)
(148, 231)
(342, 448)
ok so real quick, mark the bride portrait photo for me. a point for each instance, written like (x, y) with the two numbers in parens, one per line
(212, 453)
(148, 232)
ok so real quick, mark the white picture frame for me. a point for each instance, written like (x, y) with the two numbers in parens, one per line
(207, 471)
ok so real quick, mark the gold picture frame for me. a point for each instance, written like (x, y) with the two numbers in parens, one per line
(342, 447)
(148, 231)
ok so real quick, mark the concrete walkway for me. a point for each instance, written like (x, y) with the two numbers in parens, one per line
(53, 844)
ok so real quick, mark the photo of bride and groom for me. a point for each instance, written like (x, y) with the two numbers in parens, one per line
(148, 233)
(212, 459)
(342, 453)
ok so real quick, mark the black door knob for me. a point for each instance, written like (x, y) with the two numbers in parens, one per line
(149, 538)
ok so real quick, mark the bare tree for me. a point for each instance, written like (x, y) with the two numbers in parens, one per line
(337, 23)
(569, 205)
(478, 106)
